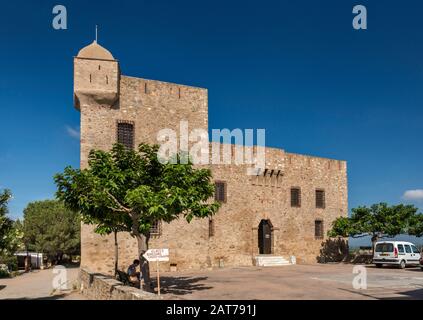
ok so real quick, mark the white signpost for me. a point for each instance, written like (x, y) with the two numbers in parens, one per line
(157, 255)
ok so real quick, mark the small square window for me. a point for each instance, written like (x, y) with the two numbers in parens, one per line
(155, 228)
(320, 199)
(295, 197)
(318, 229)
(125, 134)
(220, 191)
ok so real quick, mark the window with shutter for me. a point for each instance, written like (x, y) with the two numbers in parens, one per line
(295, 197)
(220, 191)
(155, 228)
(320, 199)
(318, 229)
(125, 134)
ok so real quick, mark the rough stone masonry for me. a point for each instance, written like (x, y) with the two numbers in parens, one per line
(285, 210)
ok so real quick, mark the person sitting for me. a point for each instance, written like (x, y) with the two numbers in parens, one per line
(134, 276)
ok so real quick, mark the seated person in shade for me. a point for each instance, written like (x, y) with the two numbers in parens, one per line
(134, 276)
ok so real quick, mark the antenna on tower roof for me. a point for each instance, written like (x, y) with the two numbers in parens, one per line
(96, 33)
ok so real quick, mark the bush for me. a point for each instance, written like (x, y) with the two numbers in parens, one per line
(4, 271)
(10, 261)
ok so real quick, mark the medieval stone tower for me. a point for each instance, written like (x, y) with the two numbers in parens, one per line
(96, 77)
(285, 210)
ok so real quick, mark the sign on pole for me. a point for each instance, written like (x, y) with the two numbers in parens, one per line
(157, 255)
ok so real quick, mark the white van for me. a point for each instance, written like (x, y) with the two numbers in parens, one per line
(397, 253)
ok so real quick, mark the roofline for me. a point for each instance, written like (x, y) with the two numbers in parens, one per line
(97, 59)
(166, 82)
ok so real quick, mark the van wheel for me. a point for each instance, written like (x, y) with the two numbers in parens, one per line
(421, 268)
(378, 265)
(402, 264)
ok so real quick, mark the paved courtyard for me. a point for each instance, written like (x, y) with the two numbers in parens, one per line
(38, 284)
(330, 281)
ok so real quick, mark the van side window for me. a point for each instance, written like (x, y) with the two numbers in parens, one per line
(401, 248)
(415, 250)
(384, 247)
(407, 248)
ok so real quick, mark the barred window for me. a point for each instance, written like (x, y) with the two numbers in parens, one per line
(320, 199)
(125, 134)
(318, 229)
(295, 197)
(155, 228)
(220, 191)
(211, 227)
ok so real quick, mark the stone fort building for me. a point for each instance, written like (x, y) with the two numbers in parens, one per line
(283, 211)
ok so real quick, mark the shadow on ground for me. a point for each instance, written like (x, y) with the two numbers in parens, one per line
(182, 285)
(2, 287)
(409, 295)
(399, 295)
(53, 297)
(390, 267)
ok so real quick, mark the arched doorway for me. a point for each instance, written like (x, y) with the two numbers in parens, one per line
(265, 237)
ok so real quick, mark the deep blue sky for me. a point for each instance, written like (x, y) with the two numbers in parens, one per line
(295, 68)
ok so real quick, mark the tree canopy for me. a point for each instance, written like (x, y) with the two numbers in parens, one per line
(10, 234)
(52, 229)
(379, 220)
(6, 224)
(134, 189)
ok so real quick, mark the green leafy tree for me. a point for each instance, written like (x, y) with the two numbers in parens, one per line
(416, 226)
(10, 234)
(378, 221)
(139, 187)
(6, 224)
(52, 229)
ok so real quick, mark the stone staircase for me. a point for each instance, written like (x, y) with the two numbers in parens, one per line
(267, 260)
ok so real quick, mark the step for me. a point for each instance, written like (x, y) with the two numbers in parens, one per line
(271, 261)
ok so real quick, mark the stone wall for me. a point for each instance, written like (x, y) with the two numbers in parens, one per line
(249, 200)
(253, 198)
(151, 105)
(100, 287)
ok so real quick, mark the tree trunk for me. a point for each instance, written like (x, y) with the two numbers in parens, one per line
(375, 238)
(116, 252)
(142, 242)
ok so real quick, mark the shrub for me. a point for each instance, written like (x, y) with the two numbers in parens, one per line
(4, 271)
(10, 261)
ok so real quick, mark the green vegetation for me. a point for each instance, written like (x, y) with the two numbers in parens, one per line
(10, 236)
(52, 229)
(6, 224)
(128, 190)
(378, 221)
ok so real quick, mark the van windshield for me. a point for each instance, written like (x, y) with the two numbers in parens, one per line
(384, 247)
